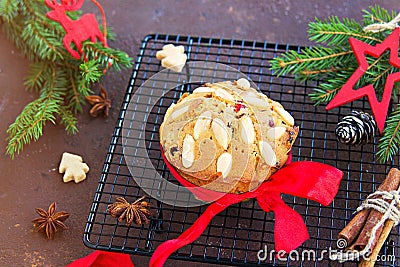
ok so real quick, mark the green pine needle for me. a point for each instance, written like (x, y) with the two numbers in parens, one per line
(68, 120)
(390, 141)
(8, 9)
(75, 96)
(37, 76)
(312, 63)
(90, 71)
(334, 32)
(105, 55)
(377, 14)
(29, 124)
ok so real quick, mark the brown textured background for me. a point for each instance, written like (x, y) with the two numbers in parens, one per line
(32, 179)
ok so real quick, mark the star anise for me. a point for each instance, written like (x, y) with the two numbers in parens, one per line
(99, 103)
(50, 221)
(137, 212)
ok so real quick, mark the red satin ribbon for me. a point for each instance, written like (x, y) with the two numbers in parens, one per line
(103, 259)
(311, 180)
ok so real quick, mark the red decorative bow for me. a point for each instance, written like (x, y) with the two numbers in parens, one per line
(311, 180)
(103, 259)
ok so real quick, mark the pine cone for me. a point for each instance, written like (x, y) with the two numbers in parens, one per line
(357, 128)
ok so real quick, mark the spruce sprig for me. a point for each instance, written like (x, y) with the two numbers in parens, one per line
(390, 141)
(331, 62)
(334, 32)
(332, 83)
(311, 63)
(61, 81)
(29, 124)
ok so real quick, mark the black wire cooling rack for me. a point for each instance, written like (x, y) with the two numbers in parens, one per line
(237, 235)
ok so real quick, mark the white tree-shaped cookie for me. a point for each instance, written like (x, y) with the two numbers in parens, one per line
(173, 57)
(73, 168)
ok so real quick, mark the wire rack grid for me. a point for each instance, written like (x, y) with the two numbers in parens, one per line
(238, 234)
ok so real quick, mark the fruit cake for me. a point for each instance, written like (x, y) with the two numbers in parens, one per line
(227, 136)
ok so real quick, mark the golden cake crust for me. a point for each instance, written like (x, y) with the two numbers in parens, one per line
(227, 137)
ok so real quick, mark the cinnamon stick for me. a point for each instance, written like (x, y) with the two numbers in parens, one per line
(361, 225)
(353, 228)
(370, 262)
(391, 183)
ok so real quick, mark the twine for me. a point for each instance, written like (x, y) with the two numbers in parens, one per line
(378, 27)
(389, 211)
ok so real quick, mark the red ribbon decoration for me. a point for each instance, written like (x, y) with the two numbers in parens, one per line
(311, 180)
(103, 259)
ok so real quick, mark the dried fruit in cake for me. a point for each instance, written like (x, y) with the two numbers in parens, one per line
(227, 136)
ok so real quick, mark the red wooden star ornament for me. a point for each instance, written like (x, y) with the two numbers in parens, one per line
(348, 93)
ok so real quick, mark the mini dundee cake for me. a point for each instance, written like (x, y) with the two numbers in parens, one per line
(227, 137)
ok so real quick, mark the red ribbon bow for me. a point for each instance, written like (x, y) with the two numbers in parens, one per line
(103, 259)
(306, 179)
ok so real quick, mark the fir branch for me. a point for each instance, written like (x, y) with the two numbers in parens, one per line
(329, 86)
(305, 65)
(90, 71)
(68, 120)
(40, 35)
(318, 72)
(106, 55)
(322, 94)
(111, 36)
(43, 44)
(56, 82)
(74, 98)
(70, 64)
(333, 81)
(29, 124)
(59, 78)
(20, 122)
(383, 73)
(8, 9)
(84, 88)
(396, 90)
(35, 42)
(334, 32)
(390, 141)
(13, 31)
(37, 11)
(37, 76)
(376, 14)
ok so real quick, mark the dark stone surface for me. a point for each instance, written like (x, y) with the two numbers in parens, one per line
(32, 180)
